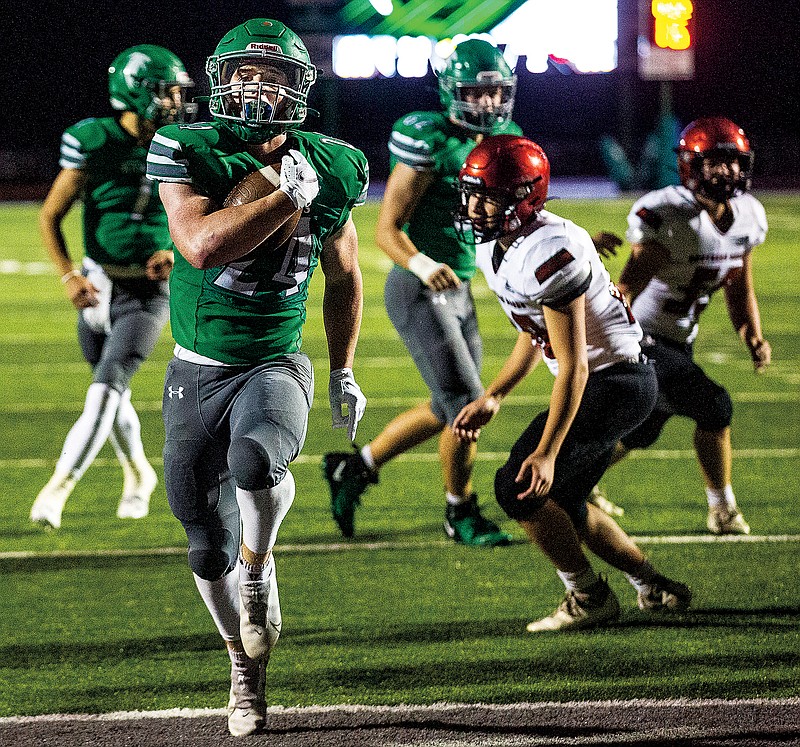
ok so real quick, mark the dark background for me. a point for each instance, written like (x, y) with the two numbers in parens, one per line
(55, 60)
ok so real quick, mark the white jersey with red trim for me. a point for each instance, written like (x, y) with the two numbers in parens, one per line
(552, 266)
(700, 256)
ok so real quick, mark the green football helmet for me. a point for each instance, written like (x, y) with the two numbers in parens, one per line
(143, 79)
(476, 64)
(260, 76)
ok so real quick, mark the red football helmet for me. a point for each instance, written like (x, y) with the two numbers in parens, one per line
(510, 171)
(720, 140)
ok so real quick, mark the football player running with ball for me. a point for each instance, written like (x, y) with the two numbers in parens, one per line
(238, 390)
(427, 293)
(550, 281)
(687, 242)
(121, 291)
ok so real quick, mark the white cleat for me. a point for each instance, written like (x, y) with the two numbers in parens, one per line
(49, 504)
(260, 615)
(599, 498)
(579, 610)
(140, 482)
(247, 706)
(726, 520)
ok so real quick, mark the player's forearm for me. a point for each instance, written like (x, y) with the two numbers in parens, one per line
(565, 399)
(223, 236)
(341, 310)
(55, 244)
(523, 359)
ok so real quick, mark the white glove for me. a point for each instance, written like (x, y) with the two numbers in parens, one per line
(298, 179)
(344, 392)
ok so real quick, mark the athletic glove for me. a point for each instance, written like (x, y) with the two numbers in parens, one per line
(298, 179)
(347, 401)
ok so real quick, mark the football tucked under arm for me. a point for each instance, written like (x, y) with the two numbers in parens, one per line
(258, 184)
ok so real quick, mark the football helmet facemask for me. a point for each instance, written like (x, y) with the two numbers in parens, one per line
(704, 144)
(152, 82)
(509, 173)
(260, 76)
(474, 68)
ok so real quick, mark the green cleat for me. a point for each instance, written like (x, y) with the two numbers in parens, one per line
(465, 524)
(348, 477)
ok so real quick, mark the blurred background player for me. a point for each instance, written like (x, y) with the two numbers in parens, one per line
(687, 242)
(552, 285)
(238, 391)
(120, 293)
(428, 296)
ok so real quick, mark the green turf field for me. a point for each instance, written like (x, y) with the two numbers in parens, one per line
(400, 615)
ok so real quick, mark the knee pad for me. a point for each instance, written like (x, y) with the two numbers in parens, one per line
(506, 490)
(209, 564)
(251, 464)
(717, 411)
(213, 550)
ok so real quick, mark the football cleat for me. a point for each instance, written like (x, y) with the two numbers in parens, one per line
(259, 615)
(579, 610)
(140, 482)
(348, 477)
(726, 520)
(665, 595)
(599, 498)
(247, 706)
(49, 504)
(464, 523)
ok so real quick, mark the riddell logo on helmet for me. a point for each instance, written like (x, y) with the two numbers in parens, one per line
(264, 47)
(470, 179)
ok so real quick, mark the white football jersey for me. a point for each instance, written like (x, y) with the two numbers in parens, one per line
(551, 266)
(701, 257)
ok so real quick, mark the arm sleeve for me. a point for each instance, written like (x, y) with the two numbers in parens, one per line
(166, 161)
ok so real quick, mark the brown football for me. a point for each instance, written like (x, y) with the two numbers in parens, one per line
(260, 184)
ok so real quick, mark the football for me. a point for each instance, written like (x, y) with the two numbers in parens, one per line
(259, 184)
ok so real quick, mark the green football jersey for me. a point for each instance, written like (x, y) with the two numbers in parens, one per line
(253, 309)
(429, 141)
(124, 222)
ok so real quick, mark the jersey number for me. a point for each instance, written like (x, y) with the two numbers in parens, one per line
(292, 272)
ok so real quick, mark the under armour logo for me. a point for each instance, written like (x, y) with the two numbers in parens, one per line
(178, 392)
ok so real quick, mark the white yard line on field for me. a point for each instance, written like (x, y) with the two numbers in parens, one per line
(482, 456)
(312, 548)
(442, 707)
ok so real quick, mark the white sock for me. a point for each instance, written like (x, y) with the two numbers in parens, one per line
(718, 498)
(262, 512)
(642, 580)
(456, 500)
(90, 431)
(222, 599)
(578, 581)
(366, 455)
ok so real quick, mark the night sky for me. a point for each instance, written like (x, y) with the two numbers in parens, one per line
(747, 52)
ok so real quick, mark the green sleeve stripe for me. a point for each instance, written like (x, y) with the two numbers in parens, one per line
(71, 159)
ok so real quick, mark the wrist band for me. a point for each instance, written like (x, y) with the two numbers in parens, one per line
(423, 266)
(68, 275)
